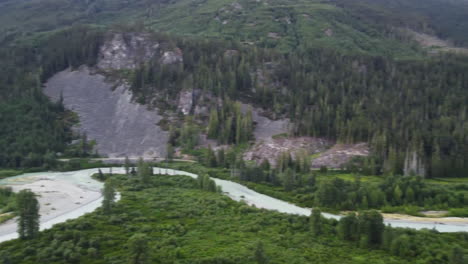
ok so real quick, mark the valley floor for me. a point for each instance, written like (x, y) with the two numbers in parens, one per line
(69, 195)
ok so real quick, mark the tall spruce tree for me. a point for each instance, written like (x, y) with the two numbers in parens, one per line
(316, 222)
(108, 200)
(127, 165)
(139, 248)
(28, 214)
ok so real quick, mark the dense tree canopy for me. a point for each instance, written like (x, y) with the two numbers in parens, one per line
(413, 113)
(34, 129)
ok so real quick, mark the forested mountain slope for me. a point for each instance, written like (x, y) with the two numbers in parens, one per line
(352, 26)
(445, 19)
(328, 66)
(177, 77)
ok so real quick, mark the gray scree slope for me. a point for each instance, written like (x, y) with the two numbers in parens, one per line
(119, 126)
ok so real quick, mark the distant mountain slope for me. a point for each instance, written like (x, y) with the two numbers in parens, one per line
(447, 19)
(367, 26)
(271, 23)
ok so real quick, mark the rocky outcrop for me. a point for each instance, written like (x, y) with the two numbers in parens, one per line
(185, 103)
(273, 35)
(171, 57)
(265, 127)
(108, 115)
(231, 53)
(435, 44)
(328, 32)
(272, 148)
(129, 50)
(126, 51)
(340, 154)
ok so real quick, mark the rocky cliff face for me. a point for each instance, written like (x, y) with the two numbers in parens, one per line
(129, 50)
(126, 51)
(120, 126)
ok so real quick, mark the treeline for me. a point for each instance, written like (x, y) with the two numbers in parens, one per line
(34, 129)
(367, 230)
(393, 192)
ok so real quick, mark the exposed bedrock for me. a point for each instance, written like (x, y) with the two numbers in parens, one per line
(340, 154)
(108, 115)
(266, 128)
(126, 51)
(272, 148)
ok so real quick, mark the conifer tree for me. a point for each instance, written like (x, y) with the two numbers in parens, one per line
(213, 125)
(221, 158)
(28, 214)
(316, 222)
(108, 200)
(260, 256)
(457, 256)
(169, 152)
(371, 227)
(210, 159)
(144, 171)
(127, 165)
(100, 175)
(139, 249)
(348, 227)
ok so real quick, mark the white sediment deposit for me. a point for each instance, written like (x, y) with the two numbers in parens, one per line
(61, 196)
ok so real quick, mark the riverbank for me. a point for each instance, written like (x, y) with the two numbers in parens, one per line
(68, 195)
(60, 198)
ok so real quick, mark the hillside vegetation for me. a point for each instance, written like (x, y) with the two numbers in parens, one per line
(341, 82)
(167, 219)
(338, 71)
(445, 19)
(411, 112)
(286, 25)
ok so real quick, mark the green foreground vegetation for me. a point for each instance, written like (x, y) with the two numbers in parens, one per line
(176, 219)
(7, 204)
(340, 70)
(9, 172)
(336, 191)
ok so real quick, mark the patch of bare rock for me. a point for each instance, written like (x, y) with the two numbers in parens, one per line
(126, 51)
(108, 114)
(129, 50)
(107, 111)
(434, 43)
(326, 152)
(340, 154)
(271, 149)
(185, 102)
